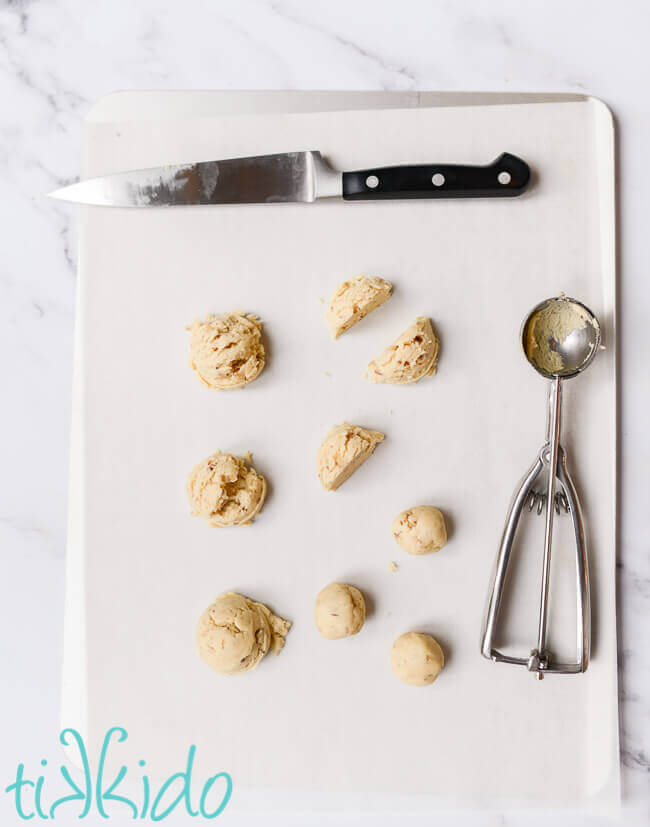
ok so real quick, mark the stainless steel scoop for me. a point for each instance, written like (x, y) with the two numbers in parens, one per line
(560, 338)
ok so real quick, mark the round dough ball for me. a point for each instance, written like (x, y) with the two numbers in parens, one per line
(420, 530)
(340, 611)
(227, 351)
(225, 490)
(234, 633)
(416, 659)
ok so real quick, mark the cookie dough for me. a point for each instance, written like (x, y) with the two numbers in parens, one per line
(227, 351)
(234, 633)
(416, 658)
(354, 299)
(343, 450)
(420, 530)
(225, 490)
(340, 611)
(411, 357)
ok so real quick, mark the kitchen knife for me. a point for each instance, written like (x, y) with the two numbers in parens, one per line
(295, 177)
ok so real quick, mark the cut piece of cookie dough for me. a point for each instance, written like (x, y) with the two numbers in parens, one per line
(343, 450)
(340, 611)
(354, 299)
(417, 659)
(420, 530)
(226, 352)
(234, 633)
(411, 357)
(225, 490)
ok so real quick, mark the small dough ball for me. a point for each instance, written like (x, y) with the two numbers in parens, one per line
(227, 351)
(354, 299)
(340, 611)
(416, 658)
(343, 450)
(234, 633)
(225, 490)
(420, 530)
(411, 357)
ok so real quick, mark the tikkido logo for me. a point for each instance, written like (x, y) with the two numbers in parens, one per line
(174, 793)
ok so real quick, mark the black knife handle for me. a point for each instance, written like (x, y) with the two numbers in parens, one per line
(507, 176)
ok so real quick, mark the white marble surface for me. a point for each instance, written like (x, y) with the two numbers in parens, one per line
(57, 57)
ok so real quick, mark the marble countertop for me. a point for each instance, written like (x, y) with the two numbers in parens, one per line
(57, 58)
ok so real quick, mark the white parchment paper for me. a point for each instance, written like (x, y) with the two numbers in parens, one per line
(327, 720)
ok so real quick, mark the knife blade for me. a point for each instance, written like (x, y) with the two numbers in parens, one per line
(298, 177)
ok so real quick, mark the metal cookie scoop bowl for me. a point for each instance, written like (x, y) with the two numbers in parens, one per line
(560, 338)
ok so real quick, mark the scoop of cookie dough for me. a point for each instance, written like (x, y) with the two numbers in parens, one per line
(234, 633)
(420, 530)
(411, 357)
(354, 299)
(416, 658)
(343, 450)
(225, 490)
(340, 611)
(227, 351)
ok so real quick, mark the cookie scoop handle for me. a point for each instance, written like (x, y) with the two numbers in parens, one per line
(505, 177)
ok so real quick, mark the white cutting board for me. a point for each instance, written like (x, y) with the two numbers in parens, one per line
(327, 722)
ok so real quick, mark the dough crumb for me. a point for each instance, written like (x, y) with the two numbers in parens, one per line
(417, 659)
(225, 490)
(340, 611)
(344, 449)
(234, 633)
(226, 352)
(354, 299)
(411, 357)
(392, 566)
(420, 530)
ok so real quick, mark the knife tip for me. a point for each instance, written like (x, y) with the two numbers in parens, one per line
(62, 194)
